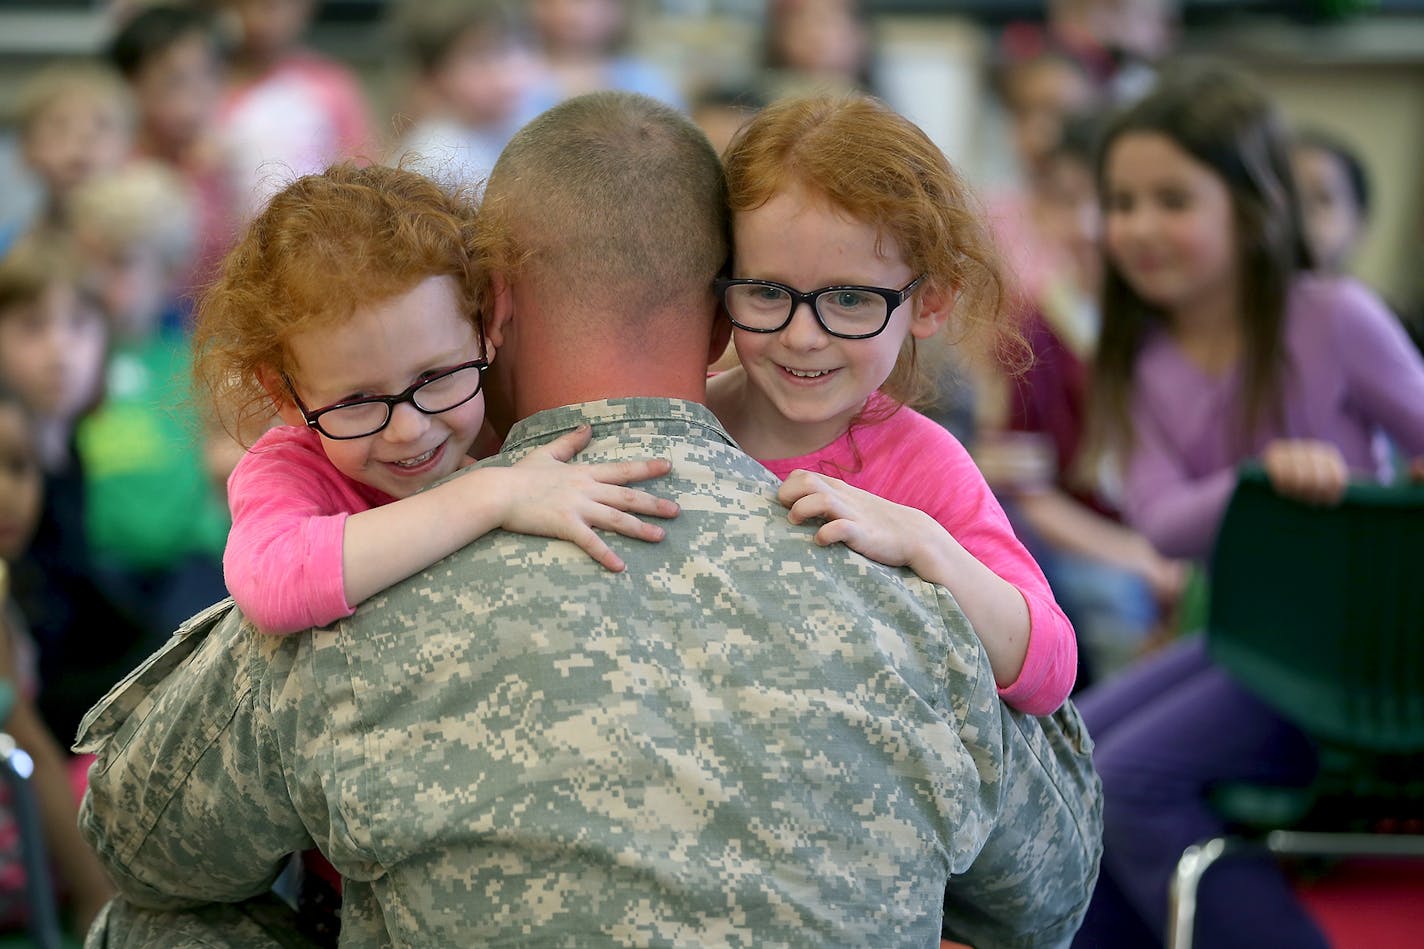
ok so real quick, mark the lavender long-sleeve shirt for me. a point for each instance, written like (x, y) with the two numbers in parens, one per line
(1351, 373)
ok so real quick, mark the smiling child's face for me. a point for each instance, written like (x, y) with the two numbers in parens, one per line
(382, 350)
(807, 385)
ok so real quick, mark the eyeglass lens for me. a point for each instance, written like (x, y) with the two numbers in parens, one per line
(846, 311)
(440, 394)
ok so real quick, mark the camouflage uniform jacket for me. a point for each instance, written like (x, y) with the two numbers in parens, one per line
(744, 740)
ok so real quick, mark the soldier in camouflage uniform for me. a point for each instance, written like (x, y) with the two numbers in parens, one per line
(745, 739)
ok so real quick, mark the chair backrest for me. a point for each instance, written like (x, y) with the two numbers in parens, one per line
(1320, 610)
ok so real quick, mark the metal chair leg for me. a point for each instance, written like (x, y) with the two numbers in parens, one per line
(1198, 858)
(1182, 905)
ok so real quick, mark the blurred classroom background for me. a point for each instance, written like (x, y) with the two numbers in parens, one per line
(1354, 68)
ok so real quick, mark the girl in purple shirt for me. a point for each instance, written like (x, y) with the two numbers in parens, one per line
(856, 247)
(1217, 347)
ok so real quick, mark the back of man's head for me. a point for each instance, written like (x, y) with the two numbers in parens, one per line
(610, 201)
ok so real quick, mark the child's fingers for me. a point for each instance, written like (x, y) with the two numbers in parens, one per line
(626, 472)
(590, 543)
(839, 531)
(634, 501)
(569, 444)
(798, 485)
(1312, 473)
(620, 522)
(819, 504)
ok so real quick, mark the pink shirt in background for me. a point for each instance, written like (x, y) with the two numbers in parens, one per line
(289, 508)
(304, 113)
(912, 461)
(1032, 259)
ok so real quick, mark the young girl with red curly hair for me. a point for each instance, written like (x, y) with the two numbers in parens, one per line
(351, 309)
(857, 246)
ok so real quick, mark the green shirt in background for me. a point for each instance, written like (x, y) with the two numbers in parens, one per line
(148, 499)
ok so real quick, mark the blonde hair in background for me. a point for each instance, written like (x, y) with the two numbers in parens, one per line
(79, 77)
(38, 261)
(141, 204)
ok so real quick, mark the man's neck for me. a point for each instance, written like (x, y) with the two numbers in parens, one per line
(560, 387)
(555, 366)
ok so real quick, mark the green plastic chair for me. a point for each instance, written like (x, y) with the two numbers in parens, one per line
(1320, 612)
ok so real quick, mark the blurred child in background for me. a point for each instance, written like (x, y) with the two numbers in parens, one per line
(52, 343)
(583, 44)
(76, 120)
(721, 111)
(1040, 92)
(820, 45)
(155, 523)
(1118, 42)
(1111, 582)
(170, 56)
(1334, 193)
(475, 75)
(52, 339)
(288, 110)
(81, 879)
(1218, 347)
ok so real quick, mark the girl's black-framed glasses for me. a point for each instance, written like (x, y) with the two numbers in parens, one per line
(845, 312)
(438, 392)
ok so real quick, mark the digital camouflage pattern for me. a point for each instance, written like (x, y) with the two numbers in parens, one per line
(744, 740)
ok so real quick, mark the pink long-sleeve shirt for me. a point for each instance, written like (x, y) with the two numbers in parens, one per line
(910, 460)
(1351, 373)
(289, 508)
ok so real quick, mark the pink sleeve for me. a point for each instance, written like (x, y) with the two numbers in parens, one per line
(957, 496)
(283, 559)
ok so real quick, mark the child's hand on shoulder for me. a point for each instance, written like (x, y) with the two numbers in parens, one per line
(882, 530)
(547, 496)
(1306, 469)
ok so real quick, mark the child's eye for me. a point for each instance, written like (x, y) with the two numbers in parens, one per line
(1175, 200)
(849, 299)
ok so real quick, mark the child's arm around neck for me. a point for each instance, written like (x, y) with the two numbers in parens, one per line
(542, 495)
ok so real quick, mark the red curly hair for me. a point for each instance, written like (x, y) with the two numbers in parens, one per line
(324, 246)
(873, 164)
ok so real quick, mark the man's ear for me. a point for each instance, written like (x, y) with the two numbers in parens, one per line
(935, 304)
(501, 312)
(281, 397)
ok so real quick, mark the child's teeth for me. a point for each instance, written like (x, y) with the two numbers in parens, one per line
(417, 460)
(807, 375)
